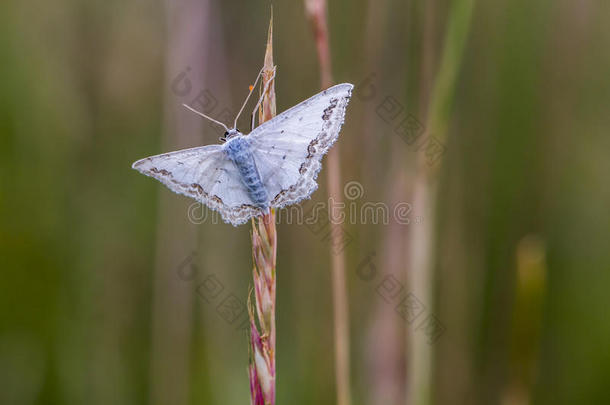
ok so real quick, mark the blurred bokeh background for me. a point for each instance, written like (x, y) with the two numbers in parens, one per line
(104, 291)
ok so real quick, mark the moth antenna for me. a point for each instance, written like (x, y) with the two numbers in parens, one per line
(205, 116)
(248, 97)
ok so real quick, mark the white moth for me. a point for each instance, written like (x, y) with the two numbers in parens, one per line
(274, 166)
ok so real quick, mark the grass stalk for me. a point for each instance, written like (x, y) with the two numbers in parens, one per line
(317, 13)
(261, 367)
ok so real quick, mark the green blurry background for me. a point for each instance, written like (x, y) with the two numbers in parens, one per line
(101, 270)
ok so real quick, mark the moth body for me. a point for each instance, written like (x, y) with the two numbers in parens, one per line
(238, 150)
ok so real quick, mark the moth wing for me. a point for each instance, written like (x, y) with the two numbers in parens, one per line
(289, 148)
(206, 175)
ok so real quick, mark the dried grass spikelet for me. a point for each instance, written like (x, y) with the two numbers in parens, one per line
(261, 368)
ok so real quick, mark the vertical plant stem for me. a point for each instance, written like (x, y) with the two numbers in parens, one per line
(425, 195)
(264, 249)
(173, 300)
(316, 12)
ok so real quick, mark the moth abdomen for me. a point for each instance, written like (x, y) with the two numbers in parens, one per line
(239, 151)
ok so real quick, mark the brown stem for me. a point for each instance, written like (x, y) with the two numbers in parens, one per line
(316, 12)
(264, 252)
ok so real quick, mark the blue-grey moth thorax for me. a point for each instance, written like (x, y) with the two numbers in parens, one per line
(239, 151)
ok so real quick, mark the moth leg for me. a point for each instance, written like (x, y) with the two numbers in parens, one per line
(260, 100)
